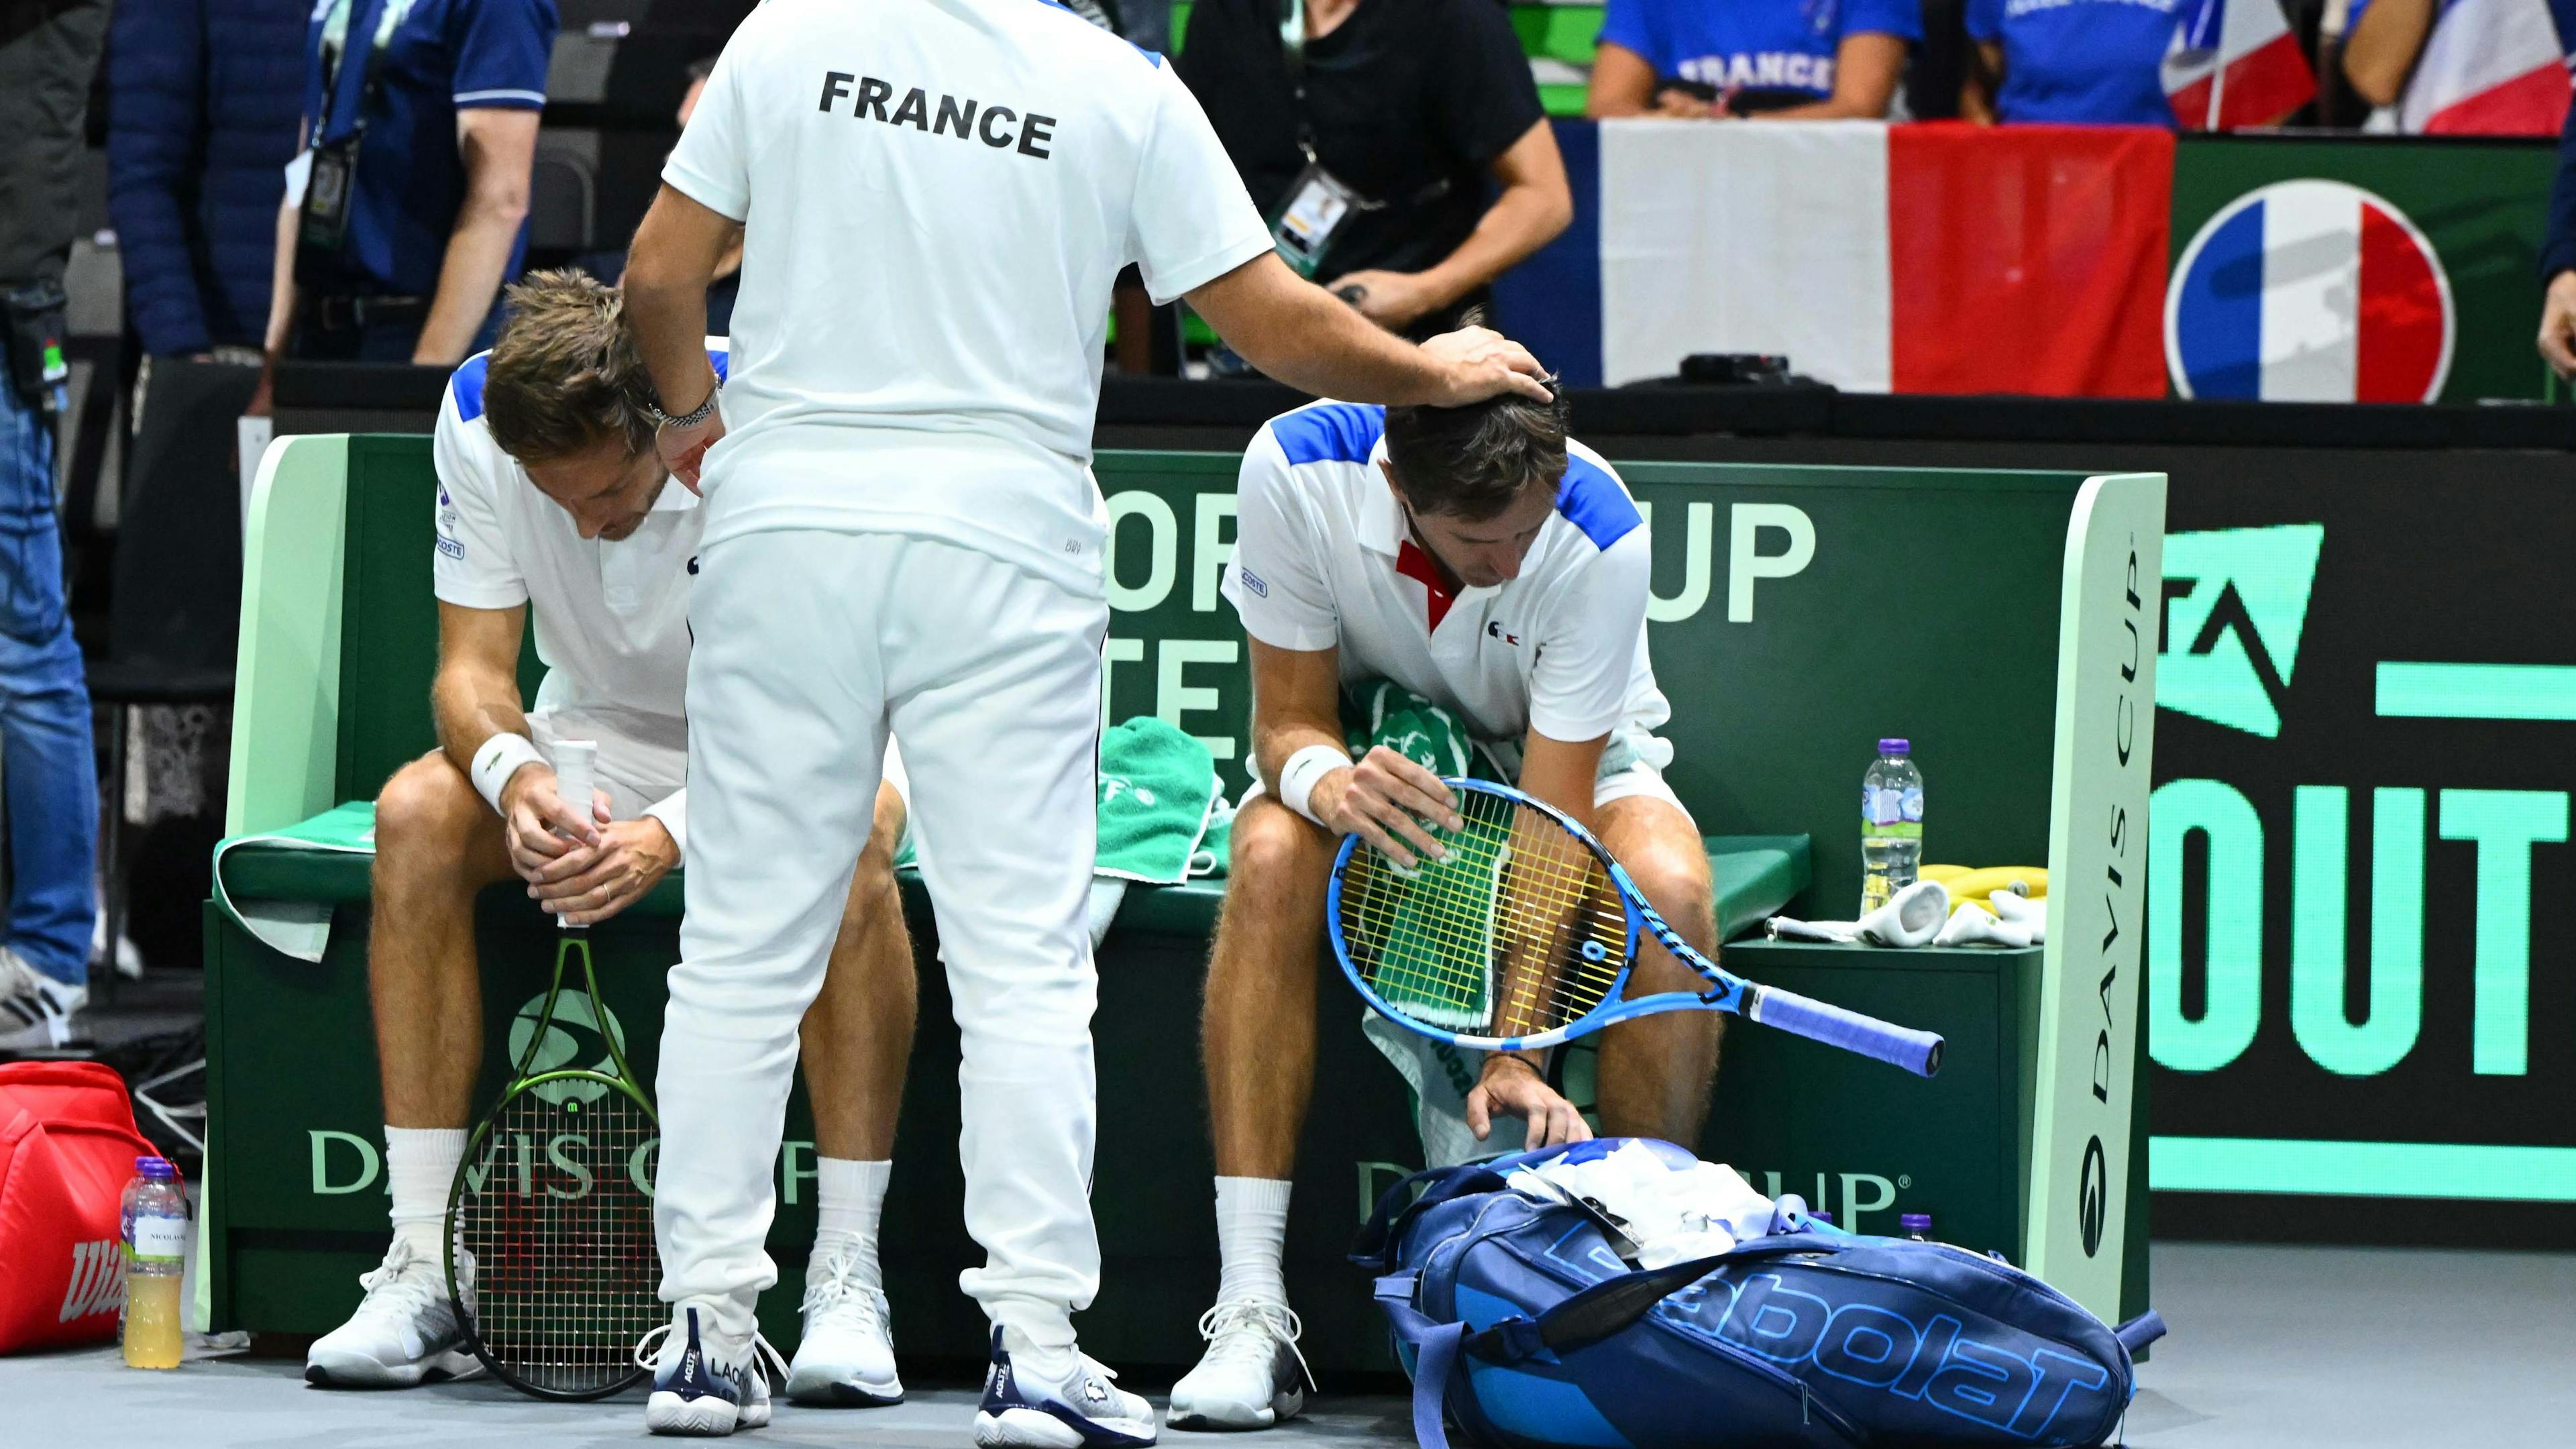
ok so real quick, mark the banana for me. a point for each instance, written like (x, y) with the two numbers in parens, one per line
(1976, 885)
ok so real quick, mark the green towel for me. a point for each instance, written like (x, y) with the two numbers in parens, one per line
(1158, 788)
(299, 928)
(1382, 712)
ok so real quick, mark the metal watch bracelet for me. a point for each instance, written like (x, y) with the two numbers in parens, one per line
(690, 419)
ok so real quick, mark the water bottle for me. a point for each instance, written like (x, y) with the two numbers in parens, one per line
(1891, 825)
(156, 1250)
(1917, 1227)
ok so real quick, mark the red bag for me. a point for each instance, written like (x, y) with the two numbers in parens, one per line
(67, 1150)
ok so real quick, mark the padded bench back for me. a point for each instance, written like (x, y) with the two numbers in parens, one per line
(1799, 613)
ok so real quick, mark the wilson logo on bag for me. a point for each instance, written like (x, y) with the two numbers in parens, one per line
(67, 1149)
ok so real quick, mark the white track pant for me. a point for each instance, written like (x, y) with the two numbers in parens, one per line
(809, 645)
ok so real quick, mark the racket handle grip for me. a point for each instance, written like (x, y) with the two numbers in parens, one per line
(1918, 1052)
(577, 774)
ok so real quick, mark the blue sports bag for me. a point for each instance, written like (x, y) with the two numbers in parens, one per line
(1518, 1316)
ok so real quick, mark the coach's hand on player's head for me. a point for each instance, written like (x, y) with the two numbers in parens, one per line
(1512, 1087)
(1384, 800)
(539, 825)
(1478, 363)
(589, 885)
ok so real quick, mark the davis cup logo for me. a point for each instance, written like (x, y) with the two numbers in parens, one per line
(2309, 291)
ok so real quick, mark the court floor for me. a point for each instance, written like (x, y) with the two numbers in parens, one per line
(2271, 1346)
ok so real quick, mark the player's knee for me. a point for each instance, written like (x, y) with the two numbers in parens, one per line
(1275, 851)
(1677, 881)
(426, 816)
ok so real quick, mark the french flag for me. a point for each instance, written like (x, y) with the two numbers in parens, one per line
(2310, 291)
(1927, 258)
(2234, 63)
(2490, 68)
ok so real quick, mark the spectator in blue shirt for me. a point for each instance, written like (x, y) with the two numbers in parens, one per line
(1785, 59)
(2071, 60)
(436, 104)
(201, 124)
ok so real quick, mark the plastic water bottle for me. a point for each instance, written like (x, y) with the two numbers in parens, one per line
(156, 1250)
(1917, 1227)
(1891, 824)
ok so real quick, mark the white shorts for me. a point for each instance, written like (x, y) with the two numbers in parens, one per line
(639, 768)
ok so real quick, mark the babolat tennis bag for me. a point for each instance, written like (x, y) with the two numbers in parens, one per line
(1518, 1316)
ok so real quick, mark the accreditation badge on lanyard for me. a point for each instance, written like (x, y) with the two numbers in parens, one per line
(1318, 202)
(324, 216)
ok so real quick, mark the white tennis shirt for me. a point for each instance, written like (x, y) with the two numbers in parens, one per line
(936, 199)
(611, 619)
(1323, 560)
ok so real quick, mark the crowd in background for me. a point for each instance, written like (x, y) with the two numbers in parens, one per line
(354, 179)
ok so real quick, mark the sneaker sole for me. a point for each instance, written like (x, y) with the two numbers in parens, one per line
(1278, 1411)
(1030, 1429)
(845, 1393)
(357, 1373)
(703, 1417)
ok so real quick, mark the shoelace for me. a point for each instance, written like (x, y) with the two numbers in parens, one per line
(394, 1287)
(841, 1291)
(1243, 1330)
(765, 1358)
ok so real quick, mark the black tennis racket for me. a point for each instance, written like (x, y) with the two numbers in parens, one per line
(550, 1257)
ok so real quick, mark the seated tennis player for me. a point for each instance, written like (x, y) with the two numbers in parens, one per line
(551, 499)
(1479, 558)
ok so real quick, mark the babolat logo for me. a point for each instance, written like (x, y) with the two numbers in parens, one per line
(1931, 1358)
(2235, 603)
(98, 1280)
(577, 1039)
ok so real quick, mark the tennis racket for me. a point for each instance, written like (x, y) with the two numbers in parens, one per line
(1524, 936)
(550, 1257)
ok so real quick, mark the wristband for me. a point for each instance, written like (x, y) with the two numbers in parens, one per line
(499, 759)
(1297, 778)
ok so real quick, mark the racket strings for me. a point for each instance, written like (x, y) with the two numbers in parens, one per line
(1518, 931)
(561, 1232)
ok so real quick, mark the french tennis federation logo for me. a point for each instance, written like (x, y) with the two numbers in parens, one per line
(2309, 291)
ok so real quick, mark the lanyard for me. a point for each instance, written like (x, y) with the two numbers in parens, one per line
(335, 44)
(1292, 48)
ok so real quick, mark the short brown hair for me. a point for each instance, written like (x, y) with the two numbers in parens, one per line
(1473, 462)
(564, 374)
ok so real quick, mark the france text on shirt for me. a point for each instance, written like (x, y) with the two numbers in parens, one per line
(1768, 70)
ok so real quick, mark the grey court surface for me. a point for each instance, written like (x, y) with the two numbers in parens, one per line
(2341, 1347)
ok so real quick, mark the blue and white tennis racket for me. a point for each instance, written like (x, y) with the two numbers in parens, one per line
(1525, 934)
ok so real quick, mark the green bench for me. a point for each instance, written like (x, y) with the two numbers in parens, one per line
(339, 632)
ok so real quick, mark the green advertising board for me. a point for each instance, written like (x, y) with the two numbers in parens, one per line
(2481, 206)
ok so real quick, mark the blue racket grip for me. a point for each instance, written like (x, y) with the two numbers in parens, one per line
(1918, 1052)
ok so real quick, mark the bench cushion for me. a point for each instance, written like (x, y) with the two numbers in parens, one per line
(1755, 876)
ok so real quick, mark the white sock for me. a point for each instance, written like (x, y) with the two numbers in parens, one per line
(1251, 1238)
(849, 1199)
(420, 1163)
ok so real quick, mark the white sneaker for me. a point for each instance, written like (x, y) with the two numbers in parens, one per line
(1083, 1411)
(847, 1355)
(704, 1384)
(36, 1011)
(1251, 1376)
(404, 1332)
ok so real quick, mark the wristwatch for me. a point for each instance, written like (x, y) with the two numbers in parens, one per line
(689, 419)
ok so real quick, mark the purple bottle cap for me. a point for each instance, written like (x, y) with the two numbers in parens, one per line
(1895, 747)
(1914, 1222)
(159, 1169)
(1826, 1218)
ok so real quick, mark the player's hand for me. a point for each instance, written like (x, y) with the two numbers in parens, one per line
(1384, 800)
(2558, 324)
(539, 826)
(684, 450)
(1477, 363)
(1677, 104)
(1392, 300)
(1511, 1087)
(590, 885)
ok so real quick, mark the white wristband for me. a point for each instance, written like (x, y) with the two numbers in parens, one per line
(1297, 778)
(499, 759)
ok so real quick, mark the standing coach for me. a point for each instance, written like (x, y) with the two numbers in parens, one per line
(936, 196)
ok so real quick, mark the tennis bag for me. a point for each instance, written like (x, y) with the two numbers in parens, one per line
(67, 1150)
(1517, 1316)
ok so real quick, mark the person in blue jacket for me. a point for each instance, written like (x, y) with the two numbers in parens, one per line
(2090, 61)
(1779, 59)
(201, 123)
(410, 208)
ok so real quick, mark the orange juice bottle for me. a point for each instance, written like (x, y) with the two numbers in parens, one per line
(156, 1252)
